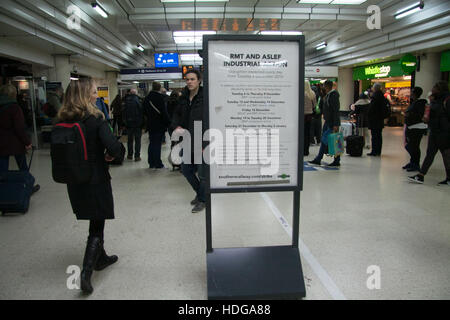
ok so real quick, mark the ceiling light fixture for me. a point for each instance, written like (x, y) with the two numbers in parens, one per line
(351, 2)
(321, 45)
(190, 56)
(280, 33)
(409, 10)
(190, 37)
(174, 1)
(314, 1)
(99, 9)
(140, 47)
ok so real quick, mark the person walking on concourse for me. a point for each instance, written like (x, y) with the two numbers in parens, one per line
(92, 201)
(332, 123)
(189, 110)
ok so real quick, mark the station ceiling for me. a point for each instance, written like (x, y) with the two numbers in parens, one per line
(112, 41)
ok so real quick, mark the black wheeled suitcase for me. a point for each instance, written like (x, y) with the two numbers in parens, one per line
(355, 144)
(15, 190)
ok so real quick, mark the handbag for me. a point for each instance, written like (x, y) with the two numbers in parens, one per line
(335, 144)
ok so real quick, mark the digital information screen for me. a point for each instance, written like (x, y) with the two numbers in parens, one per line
(164, 60)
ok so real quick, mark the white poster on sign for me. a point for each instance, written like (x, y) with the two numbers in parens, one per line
(254, 105)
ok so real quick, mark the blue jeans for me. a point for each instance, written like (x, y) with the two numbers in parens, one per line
(21, 161)
(198, 183)
(324, 148)
(154, 150)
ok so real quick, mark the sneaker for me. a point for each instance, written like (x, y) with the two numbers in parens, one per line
(137, 159)
(198, 207)
(130, 157)
(314, 162)
(195, 201)
(417, 179)
(413, 168)
(407, 166)
(334, 164)
(35, 189)
(445, 182)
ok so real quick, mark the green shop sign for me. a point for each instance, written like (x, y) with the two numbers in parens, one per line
(408, 63)
(445, 61)
(381, 70)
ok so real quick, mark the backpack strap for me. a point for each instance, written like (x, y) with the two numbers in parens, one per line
(83, 138)
(153, 106)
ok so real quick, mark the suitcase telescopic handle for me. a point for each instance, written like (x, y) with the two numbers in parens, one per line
(31, 158)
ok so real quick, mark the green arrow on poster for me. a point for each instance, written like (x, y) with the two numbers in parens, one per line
(408, 63)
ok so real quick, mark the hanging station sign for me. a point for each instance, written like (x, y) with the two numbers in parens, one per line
(321, 72)
(150, 74)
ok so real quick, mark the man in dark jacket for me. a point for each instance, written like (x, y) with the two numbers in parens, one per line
(415, 129)
(331, 106)
(439, 137)
(157, 122)
(13, 139)
(190, 110)
(316, 123)
(377, 114)
(132, 117)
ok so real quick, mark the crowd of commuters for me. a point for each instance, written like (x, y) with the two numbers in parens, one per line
(158, 113)
(371, 110)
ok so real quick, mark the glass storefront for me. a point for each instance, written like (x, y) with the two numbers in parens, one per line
(395, 82)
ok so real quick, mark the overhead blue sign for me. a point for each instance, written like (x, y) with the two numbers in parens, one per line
(164, 60)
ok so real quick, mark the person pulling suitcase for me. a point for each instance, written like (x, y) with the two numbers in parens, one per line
(14, 141)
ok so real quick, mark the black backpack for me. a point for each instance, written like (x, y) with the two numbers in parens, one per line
(68, 151)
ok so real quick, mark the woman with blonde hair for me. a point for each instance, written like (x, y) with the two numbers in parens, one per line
(92, 201)
(310, 103)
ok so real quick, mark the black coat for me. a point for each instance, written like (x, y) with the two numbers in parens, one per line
(331, 107)
(132, 113)
(439, 123)
(94, 200)
(376, 112)
(157, 121)
(415, 111)
(187, 113)
(13, 137)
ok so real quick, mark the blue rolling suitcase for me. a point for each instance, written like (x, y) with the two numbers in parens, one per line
(15, 190)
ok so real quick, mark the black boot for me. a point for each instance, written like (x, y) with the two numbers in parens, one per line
(104, 260)
(91, 255)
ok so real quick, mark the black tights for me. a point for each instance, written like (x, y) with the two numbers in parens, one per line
(96, 228)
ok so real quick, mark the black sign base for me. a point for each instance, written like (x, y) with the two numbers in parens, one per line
(255, 273)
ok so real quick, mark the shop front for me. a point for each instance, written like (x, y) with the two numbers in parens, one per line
(396, 85)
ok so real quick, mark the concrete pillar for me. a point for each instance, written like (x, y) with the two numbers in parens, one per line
(429, 72)
(345, 87)
(111, 80)
(62, 70)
